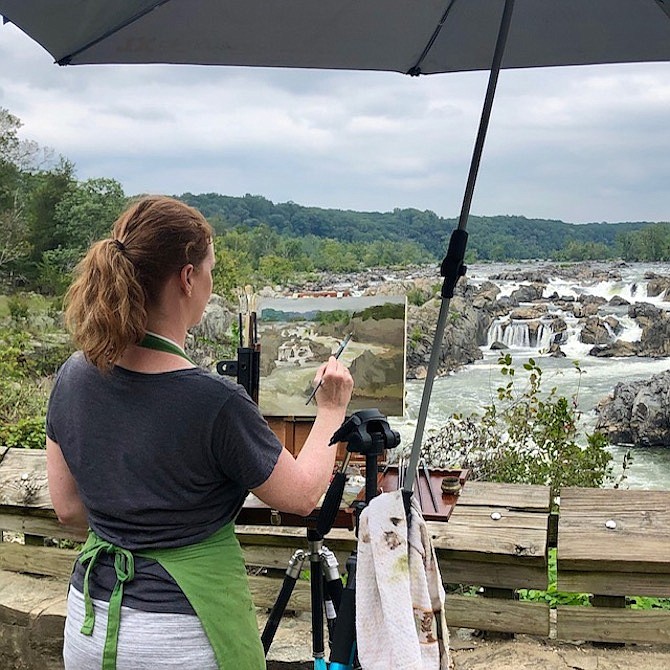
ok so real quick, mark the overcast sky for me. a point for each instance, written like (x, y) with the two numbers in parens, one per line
(578, 144)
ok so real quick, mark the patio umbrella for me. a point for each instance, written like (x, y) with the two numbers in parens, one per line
(415, 38)
(397, 35)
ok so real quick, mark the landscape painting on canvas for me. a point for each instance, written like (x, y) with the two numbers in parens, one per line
(298, 334)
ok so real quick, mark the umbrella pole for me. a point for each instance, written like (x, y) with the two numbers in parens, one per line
(453, 267)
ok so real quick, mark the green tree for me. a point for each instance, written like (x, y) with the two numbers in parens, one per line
(13, 242)
(651, 243)
(54, 271)
(577, 250)
(274, 269)
(654, 242)
(263, 241)
(10, 174)
(335, 256)
(87, 211)
(231, 269)
(49, 189)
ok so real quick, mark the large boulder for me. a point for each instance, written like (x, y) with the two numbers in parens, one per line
(216, 320)
(637, 413)
(657, 285)
(585, 309)
(655, 322)
(212, 334)
(529, 312)
(528, 293)
(486, 295)
(560, 329)
(595, 331)
(465, 331)
(618, 301)
(617, 349)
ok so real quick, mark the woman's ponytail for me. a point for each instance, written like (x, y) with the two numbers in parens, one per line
(105, 306)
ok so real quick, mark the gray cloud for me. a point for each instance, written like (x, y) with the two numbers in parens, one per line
(578, 144)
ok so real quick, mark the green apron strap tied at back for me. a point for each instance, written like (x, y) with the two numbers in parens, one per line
(124, 566)
(212, 575)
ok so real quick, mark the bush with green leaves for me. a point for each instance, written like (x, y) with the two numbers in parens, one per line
(526, 437)
(27, 433)
(18, 308)
(552, 596)
(25, 370)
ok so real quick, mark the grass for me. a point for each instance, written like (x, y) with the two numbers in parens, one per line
(553, 597)
(32, 302)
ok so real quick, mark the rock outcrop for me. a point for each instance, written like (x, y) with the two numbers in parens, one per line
(465, 331)
(637, 413)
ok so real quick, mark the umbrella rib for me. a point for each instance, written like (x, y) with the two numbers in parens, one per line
(415, 70)
(664, 7)
(66, 60)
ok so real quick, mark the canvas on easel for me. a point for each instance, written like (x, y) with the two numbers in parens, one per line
(298, 334)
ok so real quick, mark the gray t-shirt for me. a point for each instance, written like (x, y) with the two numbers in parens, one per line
(160, 460)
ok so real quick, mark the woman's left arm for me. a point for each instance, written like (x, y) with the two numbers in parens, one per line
(63, 489)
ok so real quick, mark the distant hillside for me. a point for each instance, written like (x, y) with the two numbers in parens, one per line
(490, 238)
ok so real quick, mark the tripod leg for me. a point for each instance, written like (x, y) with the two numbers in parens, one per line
(333, 587)
(290, 578)
(344, 640)
(315, 542)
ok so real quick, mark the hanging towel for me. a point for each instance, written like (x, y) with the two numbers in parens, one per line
(400, 620)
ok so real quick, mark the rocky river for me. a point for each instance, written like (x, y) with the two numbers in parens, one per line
(613, 319)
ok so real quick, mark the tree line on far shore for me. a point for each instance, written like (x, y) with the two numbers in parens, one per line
(48, 218)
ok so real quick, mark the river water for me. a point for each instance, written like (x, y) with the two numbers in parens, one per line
(474, 386)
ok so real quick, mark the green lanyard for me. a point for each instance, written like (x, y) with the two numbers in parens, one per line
(158, 343)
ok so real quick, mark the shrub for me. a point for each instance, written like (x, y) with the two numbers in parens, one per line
(23, 392)
(29, 433)
(417, 296)
(552, 596)
(528, 437)
(18, 308)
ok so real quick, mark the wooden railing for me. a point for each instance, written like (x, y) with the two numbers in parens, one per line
(611, 543)
(614, 544)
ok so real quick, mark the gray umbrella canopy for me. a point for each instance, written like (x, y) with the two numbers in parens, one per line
(407, 36)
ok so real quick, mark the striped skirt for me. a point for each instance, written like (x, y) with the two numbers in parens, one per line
(147, 640)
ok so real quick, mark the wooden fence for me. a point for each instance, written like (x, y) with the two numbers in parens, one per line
(611, 543)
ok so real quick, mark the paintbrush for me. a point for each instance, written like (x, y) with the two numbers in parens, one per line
(337, 354)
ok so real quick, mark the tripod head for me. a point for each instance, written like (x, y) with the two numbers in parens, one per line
(366, 432)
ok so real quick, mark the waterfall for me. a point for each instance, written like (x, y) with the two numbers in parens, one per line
(520, 334)
(545, 336)
(632, 331)
(515, 335)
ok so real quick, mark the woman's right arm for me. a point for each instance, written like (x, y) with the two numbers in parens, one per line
(296, 484)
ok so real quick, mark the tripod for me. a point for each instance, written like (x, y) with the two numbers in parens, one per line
(366, 432)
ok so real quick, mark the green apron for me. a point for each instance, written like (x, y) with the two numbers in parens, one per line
(211, 574)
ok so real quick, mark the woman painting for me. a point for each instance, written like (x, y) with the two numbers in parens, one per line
(155, 457)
